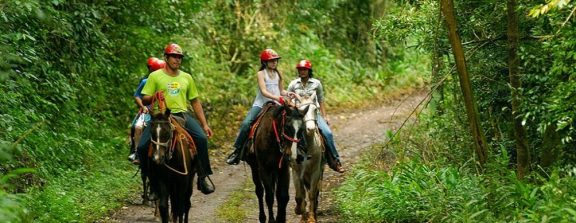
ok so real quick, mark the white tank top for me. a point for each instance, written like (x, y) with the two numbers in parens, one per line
(271, 86)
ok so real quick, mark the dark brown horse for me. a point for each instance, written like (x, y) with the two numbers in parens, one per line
(172, 165)
(269, 160)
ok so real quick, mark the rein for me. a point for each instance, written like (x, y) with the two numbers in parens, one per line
(284, 136)
(183, 159)
(275, 127)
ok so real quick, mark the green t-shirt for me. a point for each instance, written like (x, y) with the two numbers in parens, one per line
(177, 90)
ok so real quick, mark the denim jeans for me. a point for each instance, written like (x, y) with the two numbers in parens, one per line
(327, 133)
(245, 127)
(200, 139)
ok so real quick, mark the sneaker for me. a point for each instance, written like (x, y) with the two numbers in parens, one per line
(132, 157)
(337, 166)
(204, 187)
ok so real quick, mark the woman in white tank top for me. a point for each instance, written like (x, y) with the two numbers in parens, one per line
(270, 88)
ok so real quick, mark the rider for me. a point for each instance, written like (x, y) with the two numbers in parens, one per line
(306, 85)
(153, 64)
(179, 88)
(269, 89)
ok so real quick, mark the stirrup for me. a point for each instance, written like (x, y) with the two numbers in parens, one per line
(234, 158)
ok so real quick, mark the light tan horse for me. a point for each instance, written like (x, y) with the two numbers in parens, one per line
(307, 170)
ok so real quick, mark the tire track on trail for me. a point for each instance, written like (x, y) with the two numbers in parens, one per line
(354, 132)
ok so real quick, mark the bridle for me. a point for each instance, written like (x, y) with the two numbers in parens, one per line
(308, 109)
(168, 143)
(309, 115)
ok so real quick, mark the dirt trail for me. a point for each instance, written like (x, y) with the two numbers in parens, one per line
(354, 132)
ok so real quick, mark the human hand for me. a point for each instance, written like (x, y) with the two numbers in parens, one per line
(160, 95)
(208, 131)
(144, 109)
(291, 95)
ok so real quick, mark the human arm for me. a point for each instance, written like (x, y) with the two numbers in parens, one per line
(320, 99)
(281, 86)
(141, 104)
(146, 99)
(199, 111)
(138, 96)
(323, 113)
(289, 93)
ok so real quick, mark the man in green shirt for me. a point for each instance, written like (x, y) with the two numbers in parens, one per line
(179, 88)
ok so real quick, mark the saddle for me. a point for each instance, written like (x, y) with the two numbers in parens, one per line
(181, 133)
(303, 148)
(254, 126)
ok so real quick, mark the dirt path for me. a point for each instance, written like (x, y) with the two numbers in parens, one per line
(354, 132)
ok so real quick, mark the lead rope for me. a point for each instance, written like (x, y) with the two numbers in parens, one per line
(183, 159)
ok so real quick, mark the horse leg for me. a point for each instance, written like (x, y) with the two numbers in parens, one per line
(268, 179)
(314, 190)
(177, 199)
(189, 191)
(144, 188)
(163, 202)
(259, 192)
(282, 192)
(299, 187)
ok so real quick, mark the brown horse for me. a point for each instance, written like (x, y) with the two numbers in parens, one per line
(307, 173)
(172, 165)
(269, 160)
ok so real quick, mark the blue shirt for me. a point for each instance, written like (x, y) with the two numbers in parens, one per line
(138, 92)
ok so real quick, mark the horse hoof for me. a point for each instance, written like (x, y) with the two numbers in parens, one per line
(311, 218)
(298, 210)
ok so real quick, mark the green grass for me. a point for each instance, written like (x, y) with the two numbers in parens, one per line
(436, 190)
(85, 194)
(234, 209)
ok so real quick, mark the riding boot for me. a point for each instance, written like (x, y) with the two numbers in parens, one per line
(204, 186)
(234, 158)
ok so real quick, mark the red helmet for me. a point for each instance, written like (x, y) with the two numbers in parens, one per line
(155, 63)
(172, 49)
(304, 64)
(268, 54)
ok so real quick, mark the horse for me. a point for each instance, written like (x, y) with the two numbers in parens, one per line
(275, 137)
(172, 163)
(307, 172)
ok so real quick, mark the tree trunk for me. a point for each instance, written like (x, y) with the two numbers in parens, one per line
(438, 64)
(447, 7)
(522, 153)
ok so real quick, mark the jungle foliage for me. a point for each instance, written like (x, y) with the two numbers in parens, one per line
(69, 69)
(419, 178)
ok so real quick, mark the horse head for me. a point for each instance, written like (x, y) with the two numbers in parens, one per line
(307, 106)
(162, 137)
(292, 124)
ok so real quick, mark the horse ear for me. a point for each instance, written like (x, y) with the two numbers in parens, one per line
(167, 112)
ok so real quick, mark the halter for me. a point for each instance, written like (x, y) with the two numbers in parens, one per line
(308, 116)
(283, 133)
(284, 136)
(168, 144)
